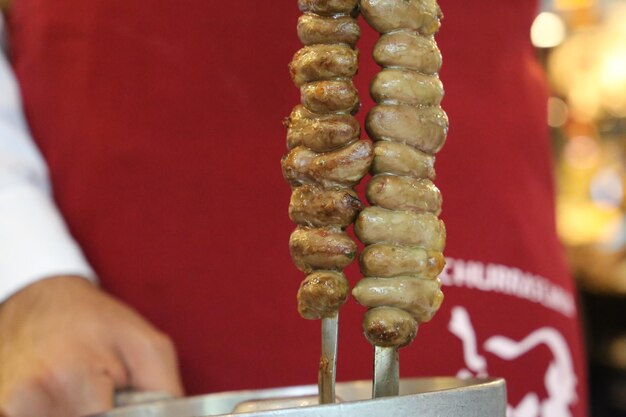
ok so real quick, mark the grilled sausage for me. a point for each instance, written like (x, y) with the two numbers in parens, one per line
(382, 260)
(379, 225)
(314, 206)
(331, 96)
(320, 133)
(404, 193)
(395, 86)
(389, 327)
(323, 62)
(408, 50)
(321, 294)
(321, 248)
(314, 29)
(388, 15)
(344, 167)
(419, 297)
(400, 159)
(423, 128)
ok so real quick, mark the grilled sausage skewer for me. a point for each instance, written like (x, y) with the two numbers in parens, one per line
(325, 160)
(404, 236)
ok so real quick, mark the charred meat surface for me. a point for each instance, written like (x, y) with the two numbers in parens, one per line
(344, 167)
(318, 207)
(321, 294)
(389, 327)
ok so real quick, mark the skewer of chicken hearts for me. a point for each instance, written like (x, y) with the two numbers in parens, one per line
(404, 237)
(325, 161)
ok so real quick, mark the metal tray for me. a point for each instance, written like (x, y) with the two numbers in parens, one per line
(423, 397)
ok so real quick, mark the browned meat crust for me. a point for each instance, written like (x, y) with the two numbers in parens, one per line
(314, 206)
(389, 327)
(321, 248)
(332, 96)
(344, 167)
(321, 294)
(320, 133)
(314, 29)
(323, 62)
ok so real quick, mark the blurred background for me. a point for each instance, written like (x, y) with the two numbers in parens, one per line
(582, 44)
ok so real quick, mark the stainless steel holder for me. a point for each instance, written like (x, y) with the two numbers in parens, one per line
(425, 397)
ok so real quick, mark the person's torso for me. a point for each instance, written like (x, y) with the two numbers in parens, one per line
(161, 124)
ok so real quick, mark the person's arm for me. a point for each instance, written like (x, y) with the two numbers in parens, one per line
(65, 345)
(34, 241)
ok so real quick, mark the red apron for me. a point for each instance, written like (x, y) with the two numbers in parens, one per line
(161, 124)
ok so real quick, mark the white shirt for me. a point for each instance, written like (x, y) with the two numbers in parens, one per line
(34, 240)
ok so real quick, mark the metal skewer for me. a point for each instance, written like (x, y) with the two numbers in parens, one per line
(328, 361)
(386, 372)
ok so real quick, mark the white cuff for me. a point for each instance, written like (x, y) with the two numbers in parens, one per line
(34, 240)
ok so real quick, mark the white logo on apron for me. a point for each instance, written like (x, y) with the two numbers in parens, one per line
(560, 380)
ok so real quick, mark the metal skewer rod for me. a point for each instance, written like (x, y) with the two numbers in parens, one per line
(328, 361)
(386, 372)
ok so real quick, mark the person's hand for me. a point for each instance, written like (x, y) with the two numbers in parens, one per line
(65, 346)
